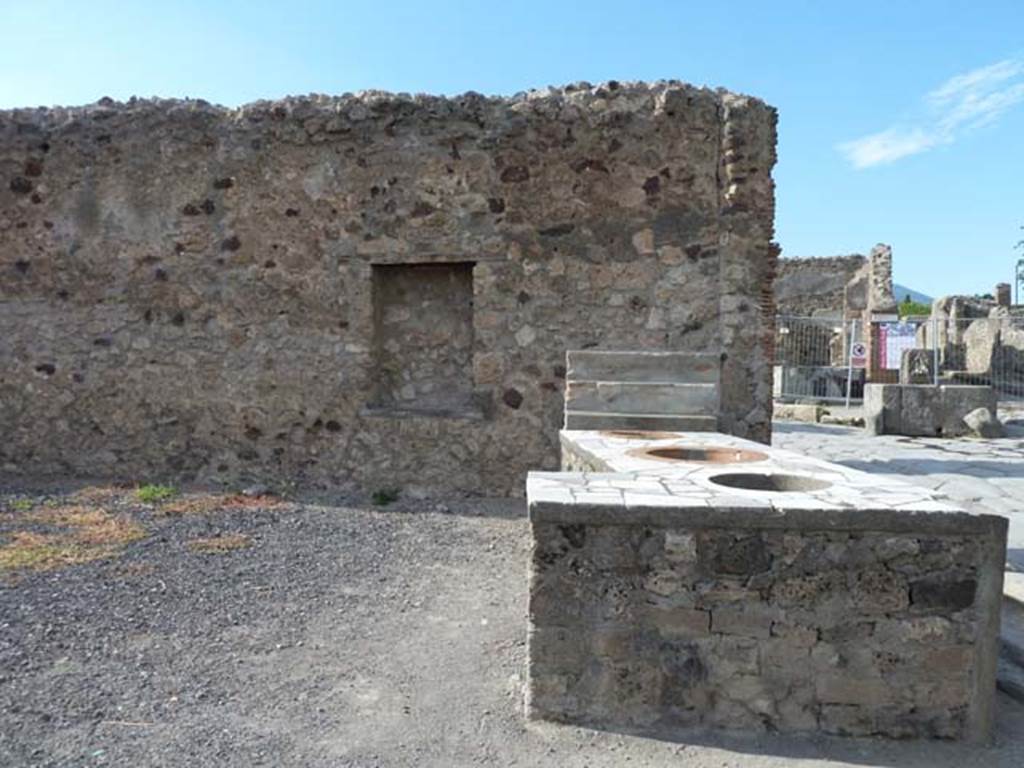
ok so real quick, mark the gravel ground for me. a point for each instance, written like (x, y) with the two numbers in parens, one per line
(340, 636)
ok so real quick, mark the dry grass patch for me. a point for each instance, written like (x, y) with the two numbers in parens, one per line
(27, 550)
(98, 494)
(195, 504)
(113, 531)
(32, 550)
(66, 515)
(218, 545)
(43, 534)
(240, 501)
(205, 503)
(74, 534)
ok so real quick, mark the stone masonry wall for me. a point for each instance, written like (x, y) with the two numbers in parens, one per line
(814, 286)
(847, 632)
(197, 292)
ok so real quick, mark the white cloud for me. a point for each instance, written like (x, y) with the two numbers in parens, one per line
(887, 146)
(961, 104)
(971, 82)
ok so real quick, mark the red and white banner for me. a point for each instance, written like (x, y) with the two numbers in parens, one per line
(893, 338)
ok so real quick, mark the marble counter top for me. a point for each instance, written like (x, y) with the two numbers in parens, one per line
(626, 480)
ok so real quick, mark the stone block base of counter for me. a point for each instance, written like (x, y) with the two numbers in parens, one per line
(660, 600)
(923, 410)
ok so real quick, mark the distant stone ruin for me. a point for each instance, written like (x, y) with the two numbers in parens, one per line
(825, 305)
(815, 286)
(979, 340)
(376, 288)
(836, 287)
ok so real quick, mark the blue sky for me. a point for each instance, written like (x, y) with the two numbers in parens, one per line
(900, 121)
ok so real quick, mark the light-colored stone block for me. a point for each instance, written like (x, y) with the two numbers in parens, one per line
(923, 410)
(670, 399)
(642, 366)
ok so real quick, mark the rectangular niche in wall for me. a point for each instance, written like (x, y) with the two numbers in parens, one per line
(423, 337)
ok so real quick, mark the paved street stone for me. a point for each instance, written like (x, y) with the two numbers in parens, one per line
(985, 476)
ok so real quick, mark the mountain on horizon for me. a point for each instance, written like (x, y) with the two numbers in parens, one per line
(901, 291)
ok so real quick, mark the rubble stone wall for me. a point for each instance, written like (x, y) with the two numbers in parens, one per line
(979, 341)
(200, 292)
(853, 632)
(880, 298)
(814, 286)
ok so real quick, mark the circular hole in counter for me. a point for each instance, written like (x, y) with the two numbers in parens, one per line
(773, 483)
(711, 454)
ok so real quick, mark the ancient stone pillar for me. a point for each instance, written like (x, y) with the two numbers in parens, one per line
(881, 306)
(1003, 294)
(880, 296)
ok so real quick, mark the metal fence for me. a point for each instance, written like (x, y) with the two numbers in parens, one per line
(979, 350)
(826, 360)
(815, 360)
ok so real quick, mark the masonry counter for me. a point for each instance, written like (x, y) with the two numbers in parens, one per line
(699, 579)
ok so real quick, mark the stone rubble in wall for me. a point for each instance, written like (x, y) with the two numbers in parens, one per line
(186, 289)
(726, 628)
